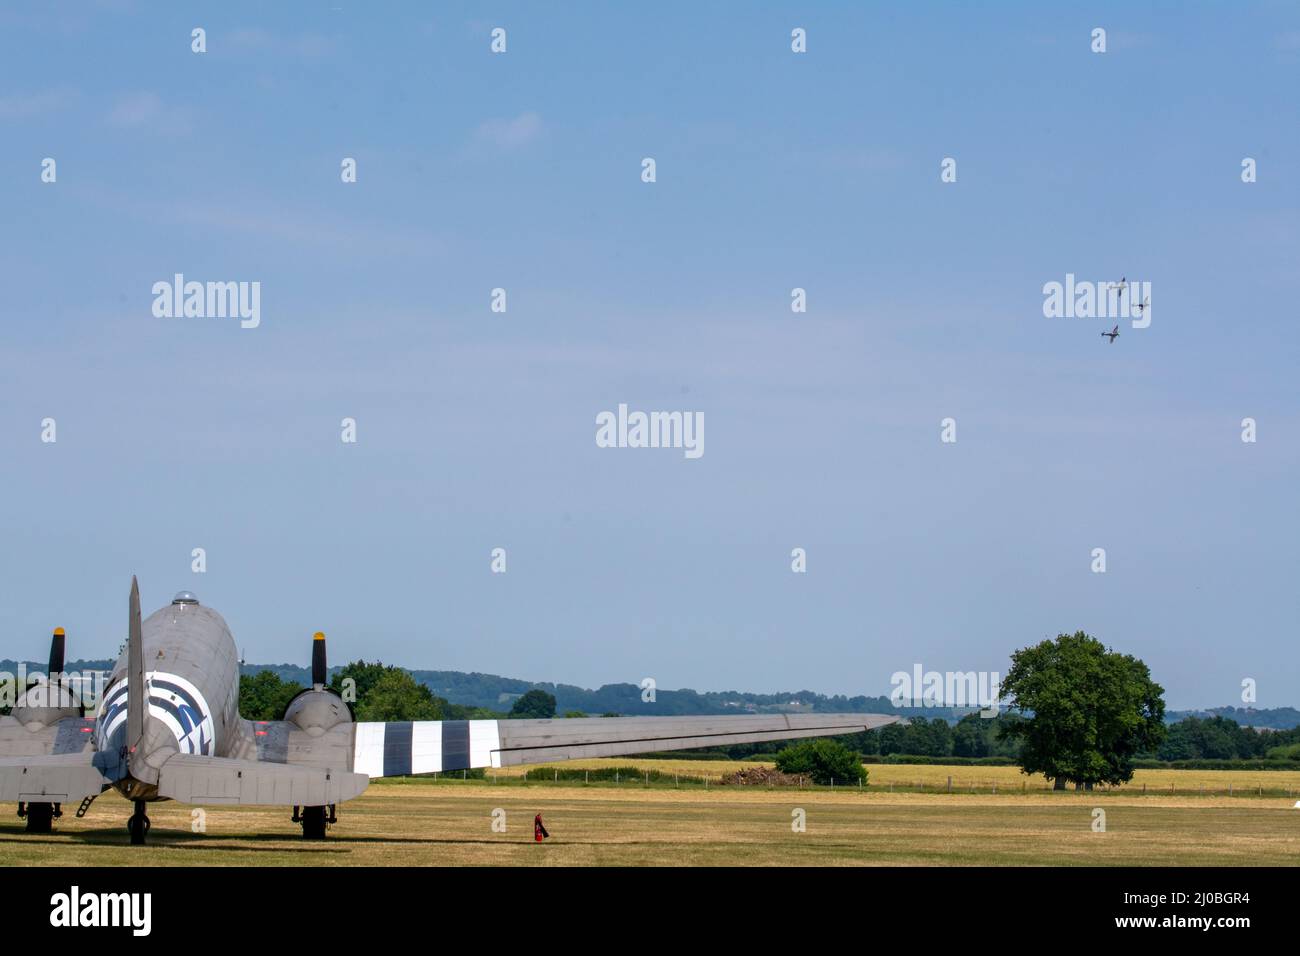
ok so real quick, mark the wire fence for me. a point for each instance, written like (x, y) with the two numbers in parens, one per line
(629, 777)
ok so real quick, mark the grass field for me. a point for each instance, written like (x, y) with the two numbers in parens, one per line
(422, 822)
(929, 777)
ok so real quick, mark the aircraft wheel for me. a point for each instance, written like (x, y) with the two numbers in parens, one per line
(313, 823)
(40, 817)
(138, 825)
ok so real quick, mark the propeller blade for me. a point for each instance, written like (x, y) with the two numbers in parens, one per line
(318, 668)
(56, 653)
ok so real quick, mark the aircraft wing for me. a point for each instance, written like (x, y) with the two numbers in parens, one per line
(429, 746)
(71, 735)
(222, 780)
(67, 778)
(51, 764)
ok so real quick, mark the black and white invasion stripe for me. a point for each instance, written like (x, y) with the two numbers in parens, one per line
(424, 746)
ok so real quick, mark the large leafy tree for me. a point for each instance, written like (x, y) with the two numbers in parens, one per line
(1089, 710)
(264, 696)
(388, 693)
(396, 696)
(536, 704)
(363, 675)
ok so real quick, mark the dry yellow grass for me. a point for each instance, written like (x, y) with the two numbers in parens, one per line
(419, 822)
(930, 776)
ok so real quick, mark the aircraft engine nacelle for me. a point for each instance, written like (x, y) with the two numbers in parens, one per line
(318, 709)
(45, 703)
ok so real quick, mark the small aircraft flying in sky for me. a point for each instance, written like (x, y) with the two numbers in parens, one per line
(1141, 306)
(191, 745)
(1121, 285)
(1113, 333)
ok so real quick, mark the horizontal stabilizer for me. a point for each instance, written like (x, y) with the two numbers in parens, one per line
(67, 778)
(219, 780)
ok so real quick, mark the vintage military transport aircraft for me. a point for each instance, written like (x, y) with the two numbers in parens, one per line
(191, 745)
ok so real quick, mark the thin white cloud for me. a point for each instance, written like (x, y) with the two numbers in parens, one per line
(509, 133)
(249, 40)
(307, 46)
(312, 46)
(135, 109)
(273, 222)
(146, 109)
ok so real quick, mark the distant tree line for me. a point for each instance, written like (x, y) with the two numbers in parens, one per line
(492, 693)
(378, 692)
(1191, 739)
(1218, 738)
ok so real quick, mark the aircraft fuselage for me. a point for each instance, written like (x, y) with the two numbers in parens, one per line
(192, 673)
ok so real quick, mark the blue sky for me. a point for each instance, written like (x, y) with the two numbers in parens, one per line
(775, 170)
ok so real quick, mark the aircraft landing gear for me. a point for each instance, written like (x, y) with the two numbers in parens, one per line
(138, 825)
(313, 820)
(40, 816)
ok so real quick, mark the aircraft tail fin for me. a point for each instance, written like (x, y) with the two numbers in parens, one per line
(137, 694)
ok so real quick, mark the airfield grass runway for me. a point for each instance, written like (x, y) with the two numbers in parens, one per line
(449, 822)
